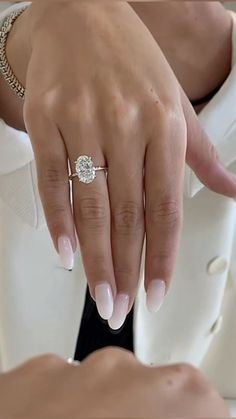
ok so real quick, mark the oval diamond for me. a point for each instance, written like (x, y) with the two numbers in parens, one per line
(85, 169)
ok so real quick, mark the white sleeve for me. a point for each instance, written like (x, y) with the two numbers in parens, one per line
(15, 149)
(232, 407)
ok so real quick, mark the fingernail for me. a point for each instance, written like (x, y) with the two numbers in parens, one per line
(66, 252)
(104, 300)
(120, 311)
(155, 295)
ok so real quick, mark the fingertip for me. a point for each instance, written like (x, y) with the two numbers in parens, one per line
(66, 252)
(156, 293)
(120, 311)
(104, 300)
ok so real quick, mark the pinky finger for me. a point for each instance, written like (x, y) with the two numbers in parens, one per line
(52, 169)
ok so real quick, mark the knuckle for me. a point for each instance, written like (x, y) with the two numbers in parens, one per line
(198, 381)
(126, 275)
(185, 370)
(182, 376)
(78, 109)
(192, 377)
(121, 110)
(39, 105)
(153, 110)
(118, 107)
(120, 354)
(51, 359)
(164, 107)
(172, 121)
(127, 218)
(52, 175)
(46, 361)
(167, 212)
(213, 155)
(111, 356)
(210, 151)
(52, 104)
(93, 212)
(164, 261)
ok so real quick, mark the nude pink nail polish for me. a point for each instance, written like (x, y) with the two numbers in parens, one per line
(66, 252)
(120, 311)
(104, 300)
(155, 295)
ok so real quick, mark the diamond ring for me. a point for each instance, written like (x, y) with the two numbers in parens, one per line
(85, 169)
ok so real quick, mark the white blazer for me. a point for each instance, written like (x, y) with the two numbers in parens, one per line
(41, 304)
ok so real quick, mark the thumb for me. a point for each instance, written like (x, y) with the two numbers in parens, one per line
(202, 156)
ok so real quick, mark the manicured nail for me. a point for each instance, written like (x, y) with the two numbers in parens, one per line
(66, 252)
(155, 295)
(104, 300)
(120, 311)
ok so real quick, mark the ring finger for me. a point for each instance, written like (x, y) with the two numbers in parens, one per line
(92, 220)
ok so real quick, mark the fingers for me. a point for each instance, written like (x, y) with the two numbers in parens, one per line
(46, 362)
(125, 183)
(52, 170)
(92, 219)
(164, 171)
(92, 215)
(109, 224)
(109, 358)
(202, 156)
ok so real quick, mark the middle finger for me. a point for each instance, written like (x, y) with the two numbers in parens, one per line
(125, 184)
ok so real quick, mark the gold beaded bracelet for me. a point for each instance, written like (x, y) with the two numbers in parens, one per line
(5, 67)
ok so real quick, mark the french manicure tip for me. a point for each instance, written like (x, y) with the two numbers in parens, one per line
(154, 309)
(120, 311)
(155, 295)
(68, 265)
(104, 300)
(66, 253)
(115, 324)
(112, 325)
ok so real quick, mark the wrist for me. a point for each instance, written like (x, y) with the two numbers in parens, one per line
(196, 40)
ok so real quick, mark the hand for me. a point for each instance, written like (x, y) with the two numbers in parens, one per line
(98, 84)
(182, 27)
(110, 383)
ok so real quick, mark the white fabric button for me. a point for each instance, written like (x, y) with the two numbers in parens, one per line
(218, 265)
(217, 325)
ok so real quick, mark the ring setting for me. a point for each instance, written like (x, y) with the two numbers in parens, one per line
(85, 169)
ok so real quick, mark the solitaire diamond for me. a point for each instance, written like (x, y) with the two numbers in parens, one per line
(85, 169)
